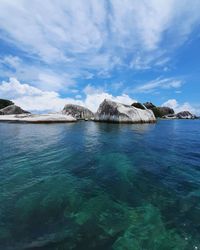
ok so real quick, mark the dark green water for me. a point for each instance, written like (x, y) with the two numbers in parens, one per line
(100, 186)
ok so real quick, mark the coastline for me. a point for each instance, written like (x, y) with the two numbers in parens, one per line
(30, 118)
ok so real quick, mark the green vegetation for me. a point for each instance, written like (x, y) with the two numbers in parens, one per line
(138, 105)
(4, 103)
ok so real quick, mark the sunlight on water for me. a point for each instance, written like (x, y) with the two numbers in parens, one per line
(100, 186)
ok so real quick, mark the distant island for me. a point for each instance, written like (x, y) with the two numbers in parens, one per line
(108, 111)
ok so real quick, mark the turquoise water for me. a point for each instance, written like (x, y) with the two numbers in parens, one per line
(100, 186)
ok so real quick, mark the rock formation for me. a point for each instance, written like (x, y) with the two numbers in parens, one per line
(162, 111)
(138, 105)
(168, 113)
(185, 115)
(78, 112)
(149, 105)
(4, 103)
(30, 118)
(110, 111)
(12, 110)
(181, 115)
(159, 111)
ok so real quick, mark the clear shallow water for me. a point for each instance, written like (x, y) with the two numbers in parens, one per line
(100, 186)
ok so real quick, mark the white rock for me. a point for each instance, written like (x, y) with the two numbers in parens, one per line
(30, 118)
(110, 111)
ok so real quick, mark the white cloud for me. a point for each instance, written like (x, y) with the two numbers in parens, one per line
(61, 42)
(96, 34)
(48, 28)
(29, 97)
(11, 61)
(178, 107)
(95, 96)
(34, 99)
(38, 75)
(144, 61)
(116, 85)
(53, 81)
(165, 83)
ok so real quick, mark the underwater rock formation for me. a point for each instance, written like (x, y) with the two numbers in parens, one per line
(78, 112)
(110, 111)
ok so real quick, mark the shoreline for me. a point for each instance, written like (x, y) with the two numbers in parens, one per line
(34, 118)
(59, 118)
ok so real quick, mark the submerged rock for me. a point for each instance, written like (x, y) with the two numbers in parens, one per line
(147, 231)
(78, 112)
(110, 111)
(4, 103)
(12, 110)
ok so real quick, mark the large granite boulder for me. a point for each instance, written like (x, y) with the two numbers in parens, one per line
(12, 110)
(110, 111)
(159, 111)
(78, 112)
(4, 103)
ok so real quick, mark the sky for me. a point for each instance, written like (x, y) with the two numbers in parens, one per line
(54, 52)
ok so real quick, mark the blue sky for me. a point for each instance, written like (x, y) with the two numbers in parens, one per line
(54, 52)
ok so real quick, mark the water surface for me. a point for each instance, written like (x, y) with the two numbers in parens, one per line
(100, 186)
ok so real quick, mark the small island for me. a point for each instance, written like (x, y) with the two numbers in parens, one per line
(108, 111)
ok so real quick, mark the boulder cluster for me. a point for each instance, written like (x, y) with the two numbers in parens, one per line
(165, 112)
(108, 111)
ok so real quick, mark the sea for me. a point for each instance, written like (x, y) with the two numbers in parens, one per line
(101, 186)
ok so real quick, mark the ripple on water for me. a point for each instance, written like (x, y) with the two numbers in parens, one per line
(100, 186)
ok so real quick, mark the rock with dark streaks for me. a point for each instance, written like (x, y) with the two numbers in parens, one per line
(110, 111)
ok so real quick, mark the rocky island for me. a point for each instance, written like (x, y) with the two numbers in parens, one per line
(108, 111)
(12, 113)
(181, 115)
(165, 112)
